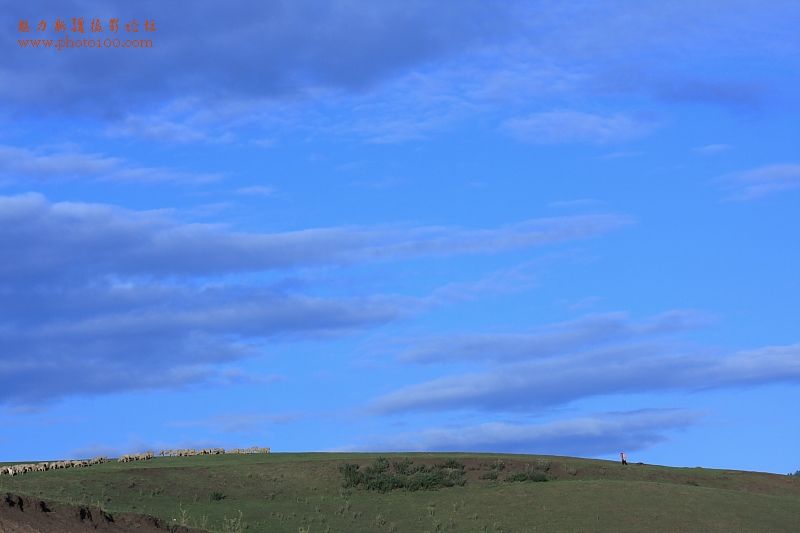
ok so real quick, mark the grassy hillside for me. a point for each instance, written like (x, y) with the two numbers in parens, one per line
(304, 492)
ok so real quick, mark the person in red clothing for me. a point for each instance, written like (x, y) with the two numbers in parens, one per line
(623, 457)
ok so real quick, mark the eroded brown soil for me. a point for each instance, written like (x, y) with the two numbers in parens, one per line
(23, 514)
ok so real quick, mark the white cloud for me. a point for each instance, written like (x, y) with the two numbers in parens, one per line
(105, 240)
(238, 422)
(592, 435)
(579, 203)
(762, 181)
(589, 332)
(101, 299)
(559, 380)
(255, 190)
(567, 126)
(23, 164)
(101, 339)
(712, 149)
(162, 129)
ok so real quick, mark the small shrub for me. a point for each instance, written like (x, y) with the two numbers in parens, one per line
(383, 476)
(381, 464)
(233, 525)
(454, 464)
(216, 496)
(184, 519)
(529, 474)
(403, 467)
(498, 465)
(351, 474)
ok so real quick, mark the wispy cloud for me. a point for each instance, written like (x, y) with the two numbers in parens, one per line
(567, 126)
(565, 338)
(238, 422)
(762, 181)
(100, 339)
(624, 154)
(163, 129)
(255, 190)
(24, 164)
(593, 435)
(265, 142)
(518, 278)
(579, 203)
(109, 240)
(644, 368)
(712, 149)
(101, 299)
(677, 88)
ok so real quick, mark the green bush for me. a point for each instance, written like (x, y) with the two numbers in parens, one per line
(381, 464)
(453, 464)
(403, 467)
(498, 465)
(352, 477)
(383, 476)
(530, 474)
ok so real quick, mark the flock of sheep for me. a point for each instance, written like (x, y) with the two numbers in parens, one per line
(254, 449)
(211, 451)
(14, 470)
(135, 457)
(189, 453)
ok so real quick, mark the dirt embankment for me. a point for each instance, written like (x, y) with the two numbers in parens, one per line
(23, 514)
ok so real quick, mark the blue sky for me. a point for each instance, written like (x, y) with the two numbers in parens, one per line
(547, 227)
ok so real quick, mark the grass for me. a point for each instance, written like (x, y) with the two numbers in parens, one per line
(305, 492)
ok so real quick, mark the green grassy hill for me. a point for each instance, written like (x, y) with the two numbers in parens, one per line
(305, 493)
